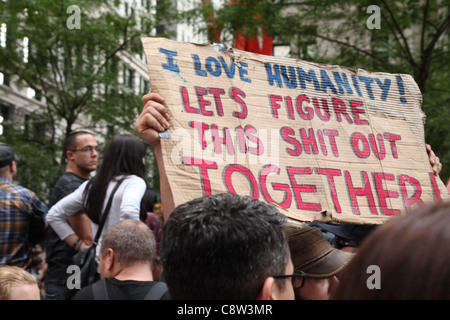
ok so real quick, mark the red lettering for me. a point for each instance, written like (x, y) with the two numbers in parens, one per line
(218, 141)
(247, 173)
(331, 133)
(331, 173)
(217, 92)
(203, 165)
(415, 198)
(275, 106)
(290, 108)
(381, 152)
(356, 137)
(383, 194)
(202, 102)
(339, 107)
(264, 172)
(322, 142)
(241, 139)
(325, 117)
(286, 134)
(364, 191)
(249, 131)
(186, 104)
(305, 115)
(356, 112)
(309, 141)
(392, 138)
(237, 95)
(201, 127)
(437, 193)
(298, 188)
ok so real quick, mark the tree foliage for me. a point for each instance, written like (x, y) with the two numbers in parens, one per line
(74, 63)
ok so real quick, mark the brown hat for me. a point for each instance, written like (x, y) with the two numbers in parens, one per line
(313, 254)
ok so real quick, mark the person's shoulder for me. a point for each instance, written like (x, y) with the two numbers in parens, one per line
(24, 192)
(85, 293)
(69, 178)
(133, 179)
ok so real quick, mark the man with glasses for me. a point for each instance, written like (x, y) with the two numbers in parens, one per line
(81, 151)
(227, 247)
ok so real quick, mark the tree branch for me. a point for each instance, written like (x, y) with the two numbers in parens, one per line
(399, 30)
(352, 47)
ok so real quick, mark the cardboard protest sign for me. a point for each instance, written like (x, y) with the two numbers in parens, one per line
(321, 142)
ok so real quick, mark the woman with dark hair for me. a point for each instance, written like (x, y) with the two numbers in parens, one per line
(406, 258)
(123, 159)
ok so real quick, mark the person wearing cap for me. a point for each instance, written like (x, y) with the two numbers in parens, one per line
(313, 256)
(20, 212)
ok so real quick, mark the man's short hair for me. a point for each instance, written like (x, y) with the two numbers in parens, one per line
(71, 140)
(222, 247)
(131, 240)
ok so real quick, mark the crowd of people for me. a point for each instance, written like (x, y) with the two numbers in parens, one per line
(220, 247)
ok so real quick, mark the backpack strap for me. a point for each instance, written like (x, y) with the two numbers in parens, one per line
(156, 292)
(99, 290)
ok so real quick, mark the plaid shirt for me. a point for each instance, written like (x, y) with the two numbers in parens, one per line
(17, 204)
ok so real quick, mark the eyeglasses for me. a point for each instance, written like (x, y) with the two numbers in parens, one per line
(87, 149)
(298, 280)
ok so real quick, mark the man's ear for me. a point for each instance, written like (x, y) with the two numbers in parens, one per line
(266, 292)
(69, 155)
(110, 259)
(13, 167)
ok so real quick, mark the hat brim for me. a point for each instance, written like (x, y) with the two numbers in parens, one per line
(328, 265)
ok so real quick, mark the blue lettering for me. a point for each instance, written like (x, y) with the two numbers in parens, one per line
(326, 82)
(271, 77)
(198, 66)
(218, 71)
(229, 71)
(243, 72)
(384, 88)
(367, 81)
(311, 76)
(342, 83)
(170, 54)
(291, 81)
(401, 90)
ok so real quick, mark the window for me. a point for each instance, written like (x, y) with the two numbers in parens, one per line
(144, 86)
(128, 77)
(3, 30)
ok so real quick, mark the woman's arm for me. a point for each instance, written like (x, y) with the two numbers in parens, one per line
(59, 214)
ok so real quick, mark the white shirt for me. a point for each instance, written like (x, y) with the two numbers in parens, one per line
(126, 204)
